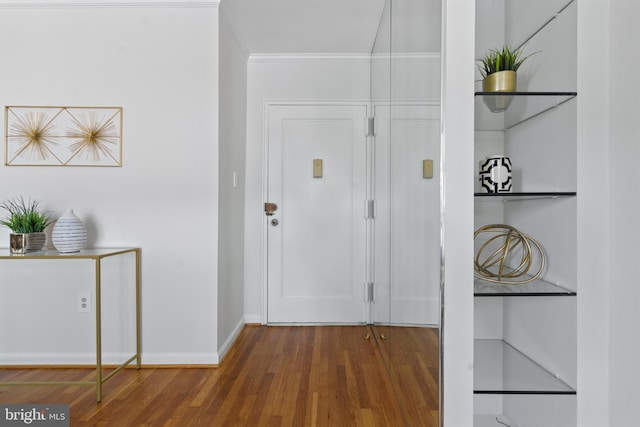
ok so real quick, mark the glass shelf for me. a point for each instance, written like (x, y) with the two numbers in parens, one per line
(528, 195)
(90, 253)
(522, 107)
(496, 420)
(536, 288)
(501, 369)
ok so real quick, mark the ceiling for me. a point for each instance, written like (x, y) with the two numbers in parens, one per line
(304, 26)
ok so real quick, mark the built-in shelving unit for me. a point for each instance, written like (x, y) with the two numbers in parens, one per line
(519, 353)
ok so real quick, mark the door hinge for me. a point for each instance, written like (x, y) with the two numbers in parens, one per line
(370, 126)
(369, 291)
(369, 209)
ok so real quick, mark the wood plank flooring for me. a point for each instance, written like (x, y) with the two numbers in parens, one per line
(273, 376)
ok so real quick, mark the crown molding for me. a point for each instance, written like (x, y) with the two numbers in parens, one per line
(269, 57)
(35, 4)
(416, 56)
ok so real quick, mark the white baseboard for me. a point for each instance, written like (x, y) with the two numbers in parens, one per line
(11, 359)
(26, 4)
(222, 351)
(16, 359)
(180, 359)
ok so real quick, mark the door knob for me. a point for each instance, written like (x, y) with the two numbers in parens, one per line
(274, 222)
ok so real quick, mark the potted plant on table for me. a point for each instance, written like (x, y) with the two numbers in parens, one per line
(27, 224)
(498, 69)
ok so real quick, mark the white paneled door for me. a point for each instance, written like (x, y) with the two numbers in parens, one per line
(325, 242)
(316, 239)
(407, 225)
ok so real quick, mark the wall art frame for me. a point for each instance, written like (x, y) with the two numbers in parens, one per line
(63, 136)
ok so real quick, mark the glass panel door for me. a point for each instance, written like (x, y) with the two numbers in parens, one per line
(380, 182)
(405, 97)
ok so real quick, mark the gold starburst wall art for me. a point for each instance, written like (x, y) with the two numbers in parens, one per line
(63, 136)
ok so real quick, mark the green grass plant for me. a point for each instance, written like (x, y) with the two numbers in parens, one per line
(24, 216)
(506, 59)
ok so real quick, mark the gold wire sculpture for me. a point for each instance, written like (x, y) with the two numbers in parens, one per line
(490, 262)
(63, 136)
(34, 133)
(94, 136)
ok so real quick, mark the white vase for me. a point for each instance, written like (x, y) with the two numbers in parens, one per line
(69, 234)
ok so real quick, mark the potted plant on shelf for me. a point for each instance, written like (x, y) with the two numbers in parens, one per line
(498, 69)
(27, 224)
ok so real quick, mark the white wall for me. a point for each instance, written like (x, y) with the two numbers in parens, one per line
(278, 79)
(594, 246)
(233, 111)
(416, 26)
(160, 65)
(457, 166)
(624, 205)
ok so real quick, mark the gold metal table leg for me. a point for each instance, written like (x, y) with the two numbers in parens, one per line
(138, 313)
(98, 332)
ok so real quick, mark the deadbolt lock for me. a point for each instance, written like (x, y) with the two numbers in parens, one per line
(270, 208)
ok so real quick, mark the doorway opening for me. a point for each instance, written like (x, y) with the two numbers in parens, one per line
(343, 144)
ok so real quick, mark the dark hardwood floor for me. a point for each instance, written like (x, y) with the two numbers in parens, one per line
(273, 376)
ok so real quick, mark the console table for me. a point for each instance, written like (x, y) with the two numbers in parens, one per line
(97, 255)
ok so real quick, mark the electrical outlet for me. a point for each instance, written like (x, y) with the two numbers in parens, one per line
(84, 302)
